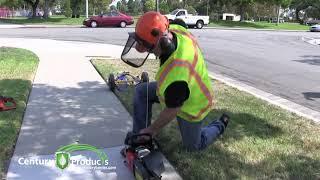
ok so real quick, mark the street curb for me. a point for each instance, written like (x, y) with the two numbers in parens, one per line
(275, 100)
(15, 26)
(52, 26)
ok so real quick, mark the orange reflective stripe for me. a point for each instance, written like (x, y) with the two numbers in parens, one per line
(170, 66)
(203, 87)
(199, 114)
(194, 43)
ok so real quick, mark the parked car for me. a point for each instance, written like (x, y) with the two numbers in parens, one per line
(109, 19)
(315, 28)
(189, 19)
(312, 22)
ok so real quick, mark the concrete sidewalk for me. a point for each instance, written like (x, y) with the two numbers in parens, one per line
(10, 26)
(70, 103)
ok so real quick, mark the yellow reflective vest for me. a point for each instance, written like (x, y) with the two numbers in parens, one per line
(187, 64)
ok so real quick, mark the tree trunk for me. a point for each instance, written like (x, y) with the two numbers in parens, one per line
(34, 10)
(242, 12)
(278, 19)
(46, 9)
(34, 6)
(297, 16)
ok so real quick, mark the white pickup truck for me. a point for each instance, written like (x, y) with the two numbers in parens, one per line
(189, 19)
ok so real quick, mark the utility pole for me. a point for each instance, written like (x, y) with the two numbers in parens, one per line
(278, 19)
(87, 8)
(157, 5)
(207, 7)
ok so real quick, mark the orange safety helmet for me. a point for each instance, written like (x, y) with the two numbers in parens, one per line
(150, 26)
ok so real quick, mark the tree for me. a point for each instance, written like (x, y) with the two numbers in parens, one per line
(118, 5)
(138, 7)
(149, 5)
(122, 6)
(134, 7)
(164, 7)
(300, 5)
(113, 8)
(47, 5)
(98, 6)
(34, 4)
(11, 3)
(67, 9)
(76, 7)
(174, 4)
(202, 7)
(243, 5)
(264, 11)
(281, 4)
(130, 6)
(190, 9)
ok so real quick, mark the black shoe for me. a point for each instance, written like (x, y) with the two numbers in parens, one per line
(225, 119)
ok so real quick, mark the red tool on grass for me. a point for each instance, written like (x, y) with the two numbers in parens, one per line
(7, 103)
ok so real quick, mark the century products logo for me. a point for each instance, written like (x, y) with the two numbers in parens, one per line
(63, 157)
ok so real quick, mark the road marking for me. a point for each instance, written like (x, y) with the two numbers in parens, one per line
(312, 41)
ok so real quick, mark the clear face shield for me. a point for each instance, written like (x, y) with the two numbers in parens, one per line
(136, 51)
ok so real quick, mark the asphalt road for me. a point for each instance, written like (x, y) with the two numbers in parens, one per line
(276, 62)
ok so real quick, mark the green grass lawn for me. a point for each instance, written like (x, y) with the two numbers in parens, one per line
(262, 141)
(18, 67)
(258, 25)
(53, 20)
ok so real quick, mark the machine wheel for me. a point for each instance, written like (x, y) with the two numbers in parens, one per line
(144, 77)
(199, 24)
(111, 82)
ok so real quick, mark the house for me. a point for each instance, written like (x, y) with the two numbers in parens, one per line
(230, 17)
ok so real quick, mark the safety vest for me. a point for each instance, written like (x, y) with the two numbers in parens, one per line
(187, 64)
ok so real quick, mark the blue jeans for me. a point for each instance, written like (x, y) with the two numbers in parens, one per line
(194, 136)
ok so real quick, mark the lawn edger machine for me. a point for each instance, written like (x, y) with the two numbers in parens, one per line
(7, 103)
(122, 81)
(143, 156)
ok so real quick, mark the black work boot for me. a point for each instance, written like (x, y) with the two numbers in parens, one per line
(225, 120)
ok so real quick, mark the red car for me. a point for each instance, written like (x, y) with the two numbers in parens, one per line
(109, 19)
